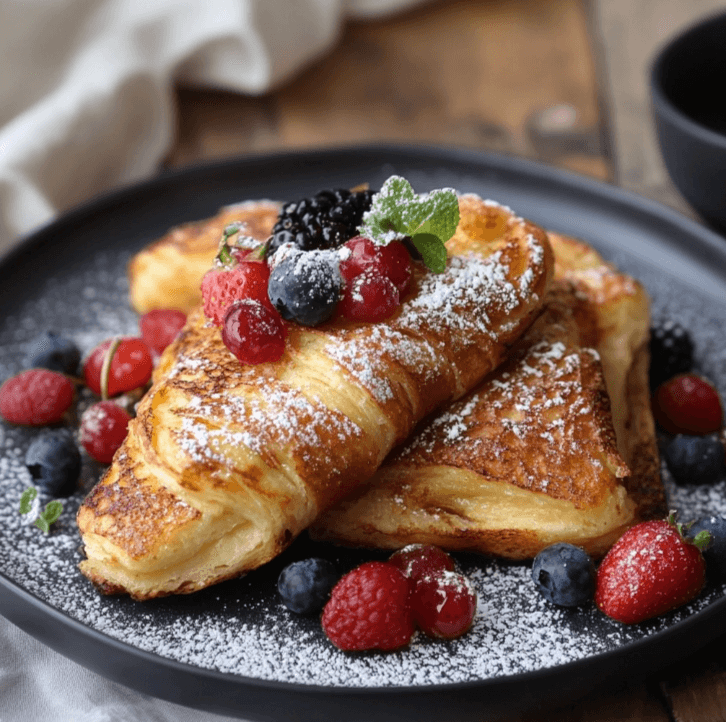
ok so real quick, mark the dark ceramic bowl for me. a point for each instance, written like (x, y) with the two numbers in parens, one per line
(688, 88)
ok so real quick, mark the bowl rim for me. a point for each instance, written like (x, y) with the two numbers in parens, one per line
(661, 102)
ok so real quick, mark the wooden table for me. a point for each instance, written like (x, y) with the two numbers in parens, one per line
(563, 81)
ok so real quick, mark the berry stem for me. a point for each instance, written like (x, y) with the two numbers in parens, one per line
(106, 368)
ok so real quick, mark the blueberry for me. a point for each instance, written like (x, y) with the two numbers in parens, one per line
(305, 586)
(671, 351)
(305, 287)
(54, 462)
(695, 459)
(50, 351)
(564, 574)
(715, 554)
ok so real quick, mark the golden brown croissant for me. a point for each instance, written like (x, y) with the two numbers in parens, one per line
(225, 463)
(530, 458)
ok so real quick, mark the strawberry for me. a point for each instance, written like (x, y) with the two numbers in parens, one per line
(650, 570)
(238, 275)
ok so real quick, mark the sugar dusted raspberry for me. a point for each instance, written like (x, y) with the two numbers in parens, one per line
(444, 604)
(420, 560)
(103, 430)
(35, 397)
(369, 608)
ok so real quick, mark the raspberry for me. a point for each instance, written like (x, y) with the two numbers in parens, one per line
(130, 368)
(103, 430)
(369, 608)
(419, 560)
(444, 604)
(687, 404)
(392, 261)
(369, 298)
(35, 397)
(160, 327)
(222, 287)
(253, 333)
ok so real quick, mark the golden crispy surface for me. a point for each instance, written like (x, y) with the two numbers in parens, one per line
(531, 457)
(230, 462)
(168, 273)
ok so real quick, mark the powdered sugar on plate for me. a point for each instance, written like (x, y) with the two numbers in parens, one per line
(240, 627)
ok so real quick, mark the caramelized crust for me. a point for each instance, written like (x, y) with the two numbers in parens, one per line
(255, 453)
(534, 455)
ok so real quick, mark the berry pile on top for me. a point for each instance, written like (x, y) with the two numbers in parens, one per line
(340, 254)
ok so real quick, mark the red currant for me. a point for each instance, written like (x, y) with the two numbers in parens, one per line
(688, 404)
(369, 298)
(103, 429)
(130, 368)
(444, 604)
(392, 261)
(254, 333)
(160, 327)
(420, 560)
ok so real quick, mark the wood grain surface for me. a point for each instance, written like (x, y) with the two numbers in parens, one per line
(562, 81)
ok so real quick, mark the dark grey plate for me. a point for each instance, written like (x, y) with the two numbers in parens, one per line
(233, 648)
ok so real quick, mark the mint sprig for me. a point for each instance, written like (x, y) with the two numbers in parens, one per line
(429, 220)
(45, 518)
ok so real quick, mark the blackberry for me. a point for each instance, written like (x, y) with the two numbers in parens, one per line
(305, 586)
(715, 552)
(306, 287)
(671, 351)
(50, 351)
(54, 462)
(564, 574)
(695, 459)
(325, 221)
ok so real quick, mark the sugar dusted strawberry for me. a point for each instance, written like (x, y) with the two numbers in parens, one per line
(240, 274)
(35, 397)
(370, 608)
(650, 570)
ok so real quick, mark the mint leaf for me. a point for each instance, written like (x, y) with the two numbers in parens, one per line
(432, 250)
(50, 514)
(26, 499)
(396, 211)
(52, 511)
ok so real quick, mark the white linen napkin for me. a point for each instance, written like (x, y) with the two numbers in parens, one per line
(86, 85)
(86, 105)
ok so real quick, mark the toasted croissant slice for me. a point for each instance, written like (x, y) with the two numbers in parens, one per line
(225, 463)
(531, 457)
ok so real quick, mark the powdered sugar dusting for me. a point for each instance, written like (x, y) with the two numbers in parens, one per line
(240, 627)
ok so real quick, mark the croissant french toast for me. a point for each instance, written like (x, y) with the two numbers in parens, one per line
(531, 457)
(225, 463)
